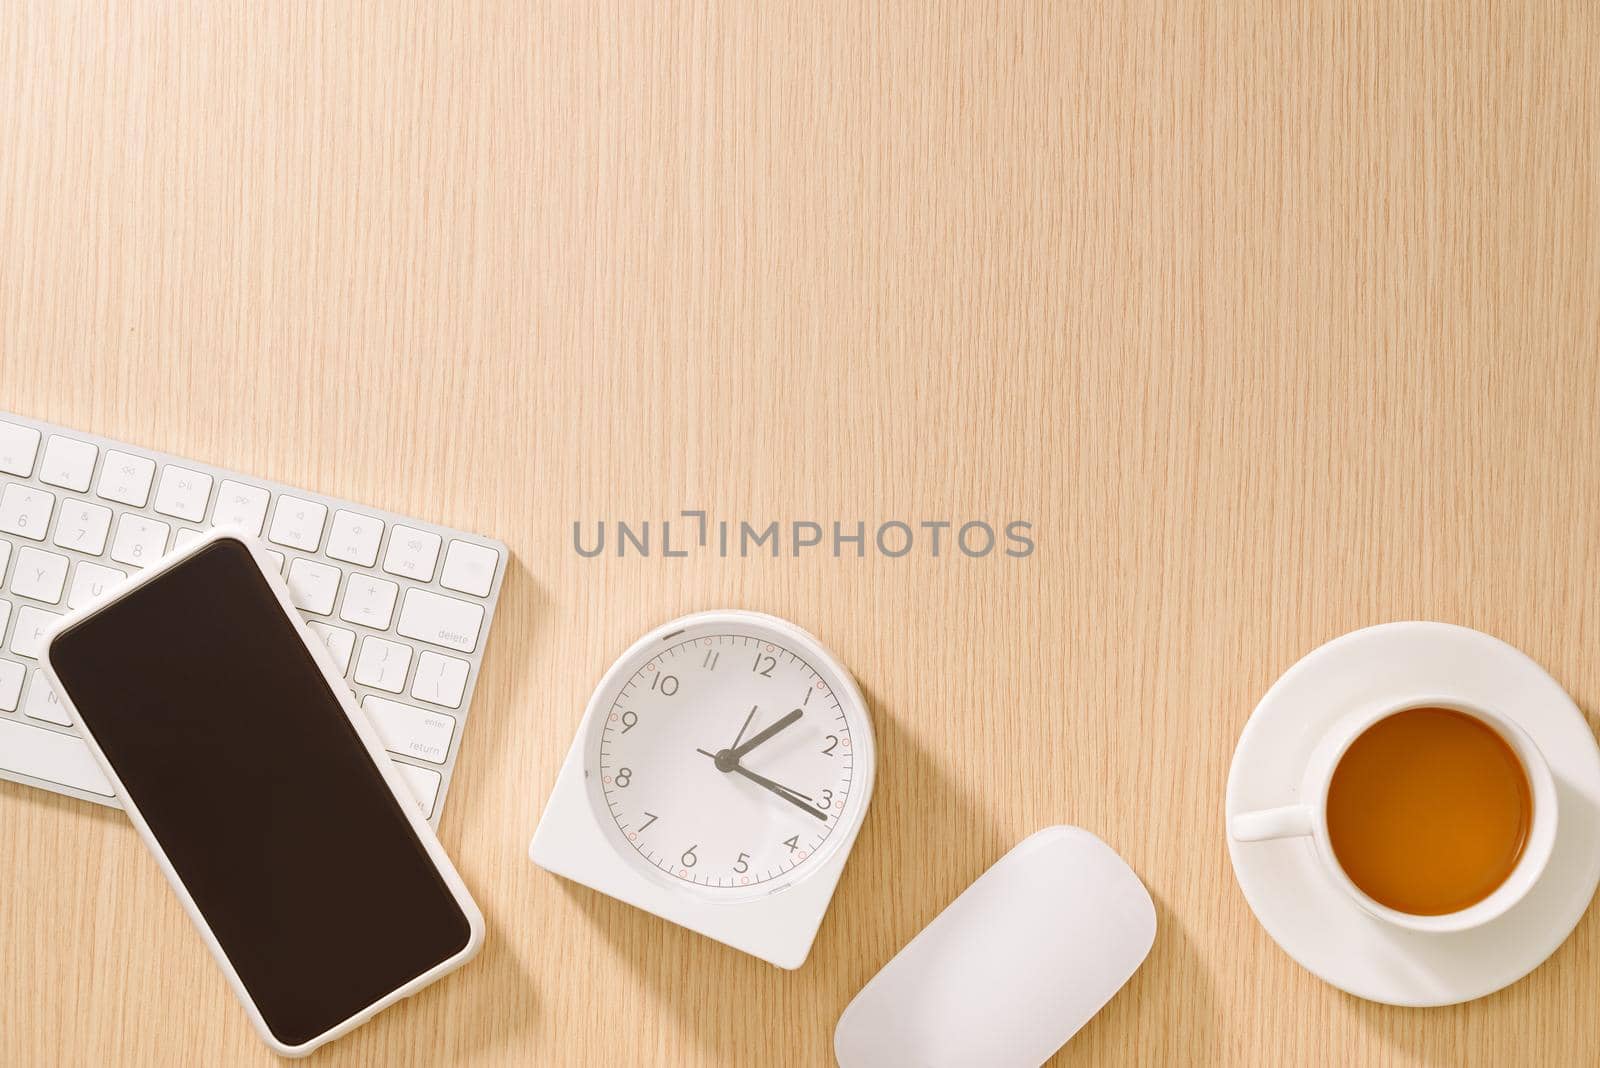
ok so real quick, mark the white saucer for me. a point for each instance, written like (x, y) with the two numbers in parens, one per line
(1307, 913)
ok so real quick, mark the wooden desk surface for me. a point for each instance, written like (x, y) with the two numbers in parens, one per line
(1274, 326)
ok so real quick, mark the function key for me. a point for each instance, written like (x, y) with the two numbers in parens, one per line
(68, 463)
(18, 446)
(469, 568)
(298, 523)
(125, 478)
(355, 538)
(239, 505)
(412, 553)
(183, 494)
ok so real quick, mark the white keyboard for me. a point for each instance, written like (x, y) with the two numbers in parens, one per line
(403, 605)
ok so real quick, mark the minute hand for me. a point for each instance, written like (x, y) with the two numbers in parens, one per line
(763, 735)
(782, 791)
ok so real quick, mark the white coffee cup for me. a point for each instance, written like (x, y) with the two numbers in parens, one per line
(1310, 816)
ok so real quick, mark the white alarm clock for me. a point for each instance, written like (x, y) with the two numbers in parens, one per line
(718, 780)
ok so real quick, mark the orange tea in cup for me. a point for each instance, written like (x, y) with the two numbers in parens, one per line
(1428, 811)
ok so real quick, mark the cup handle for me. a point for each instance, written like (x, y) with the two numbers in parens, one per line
(1290, 821)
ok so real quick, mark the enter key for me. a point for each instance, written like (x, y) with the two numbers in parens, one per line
(411, 731)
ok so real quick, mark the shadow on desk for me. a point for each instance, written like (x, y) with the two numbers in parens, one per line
(1509, 1026)
(500, 703)
(923, 842)
(428, 1027)
(1175, 963)
(61, 807)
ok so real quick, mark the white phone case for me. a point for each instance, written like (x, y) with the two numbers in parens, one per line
(364, 731)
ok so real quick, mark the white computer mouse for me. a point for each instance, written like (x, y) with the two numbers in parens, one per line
(1012, 968)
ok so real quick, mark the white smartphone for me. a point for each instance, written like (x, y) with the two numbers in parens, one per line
(264, 794)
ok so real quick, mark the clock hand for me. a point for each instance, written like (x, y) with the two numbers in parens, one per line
(746, 726)
(762, 735)
(784, 792)
(726, 762)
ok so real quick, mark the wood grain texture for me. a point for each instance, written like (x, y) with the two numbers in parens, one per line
(1275, 325)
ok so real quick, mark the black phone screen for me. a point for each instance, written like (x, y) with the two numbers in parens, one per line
(206, 702)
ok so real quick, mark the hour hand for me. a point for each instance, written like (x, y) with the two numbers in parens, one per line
(762, 735)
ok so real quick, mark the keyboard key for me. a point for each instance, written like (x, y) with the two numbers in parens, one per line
(28, 637)
(18, 446)
(469, 568)
(412, 553)
(433, 617)
(5, 615)
(340, 642)
(313, 586)
(297, 523)
(42, 702)
(11, 676)
(276, 559)
(125, 478)
(5, 555)
(424, 785)
(68, 463)
(83, 526)
(139, 541)
(39, 575)
(25, 511)
(382, 664)
(409, 731)
(369, 601)
(440, 679)
(44, 754)
(355, 538)
(90, 582)
(239, 505)
(183, 494)
(186, 536)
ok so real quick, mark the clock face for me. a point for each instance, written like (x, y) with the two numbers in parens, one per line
(725, 756)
